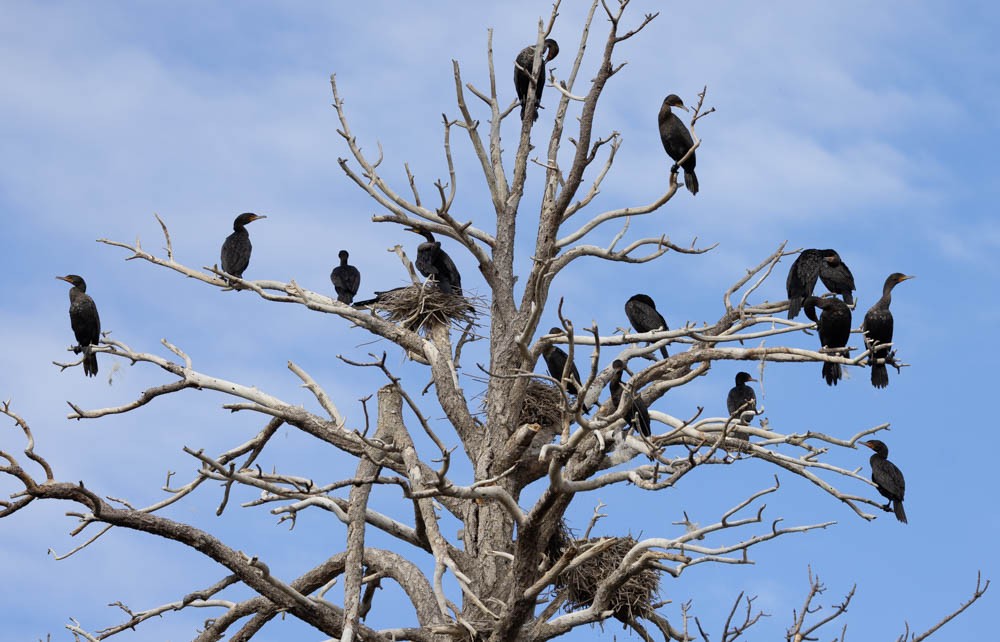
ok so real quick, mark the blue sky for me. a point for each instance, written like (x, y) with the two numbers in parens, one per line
(867, 129)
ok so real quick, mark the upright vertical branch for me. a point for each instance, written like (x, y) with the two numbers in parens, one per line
(356, 514)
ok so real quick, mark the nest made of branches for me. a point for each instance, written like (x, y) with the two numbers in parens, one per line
(542, 405)
(634, 599)
(419, 307)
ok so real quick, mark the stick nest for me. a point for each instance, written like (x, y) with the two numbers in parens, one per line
(543, 403)
(418, 307)
(633, 599)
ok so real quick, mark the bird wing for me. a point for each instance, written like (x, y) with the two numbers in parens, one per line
(889, 478)
(676, 138)
(837, 278)
(644, 318)
(555, 361)
(801, 280)
(739, 397)
(834, 324)
(236, 253)
(733, 400)
(877, 326)
(522, 72)
(446, 269)
(640, 417)
(85, 321)
(352, 279)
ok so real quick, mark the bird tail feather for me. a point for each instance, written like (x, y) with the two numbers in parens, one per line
(880, 376)
(794, 305)
(89, 363)
(691, 181)
(897, 508)
(832, 373)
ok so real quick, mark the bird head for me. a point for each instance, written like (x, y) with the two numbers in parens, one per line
(809, 307)
(74, 280)
(673, 100)
(643, 298)
(876, 445)
(246, 217)
(551, 49)
(422, 232)
(831, 257)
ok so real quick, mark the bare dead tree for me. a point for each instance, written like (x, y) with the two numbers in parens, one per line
(801, 629)
(513, 561)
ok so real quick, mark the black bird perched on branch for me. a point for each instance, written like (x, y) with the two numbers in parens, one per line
(637, 413)
(522, 73)
(677, 140)
(877, 327)
(641, 312)
(556, 362)
(801, 279)
(432, 261)
(84, 320)
(836, 276)
(741, 398)
(236, 248)
(811, 265)
(888, 479)
(834, 326)
(346, 279)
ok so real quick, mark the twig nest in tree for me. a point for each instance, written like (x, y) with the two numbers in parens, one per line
(543, 403)
(558, 543)
(420, 307)
(634, 599)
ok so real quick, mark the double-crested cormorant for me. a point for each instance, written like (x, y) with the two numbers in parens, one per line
(877, 327)
(836, 276)
(834, 325)
(888, 479)
(236, 248)
(522, 73)
(677, 140)
(84, 320)
(817, 264)
(641, 312)
(637, 413)
(432, 261)
(346, 279)
(742, 398)
(801, 279)
(556, 361)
